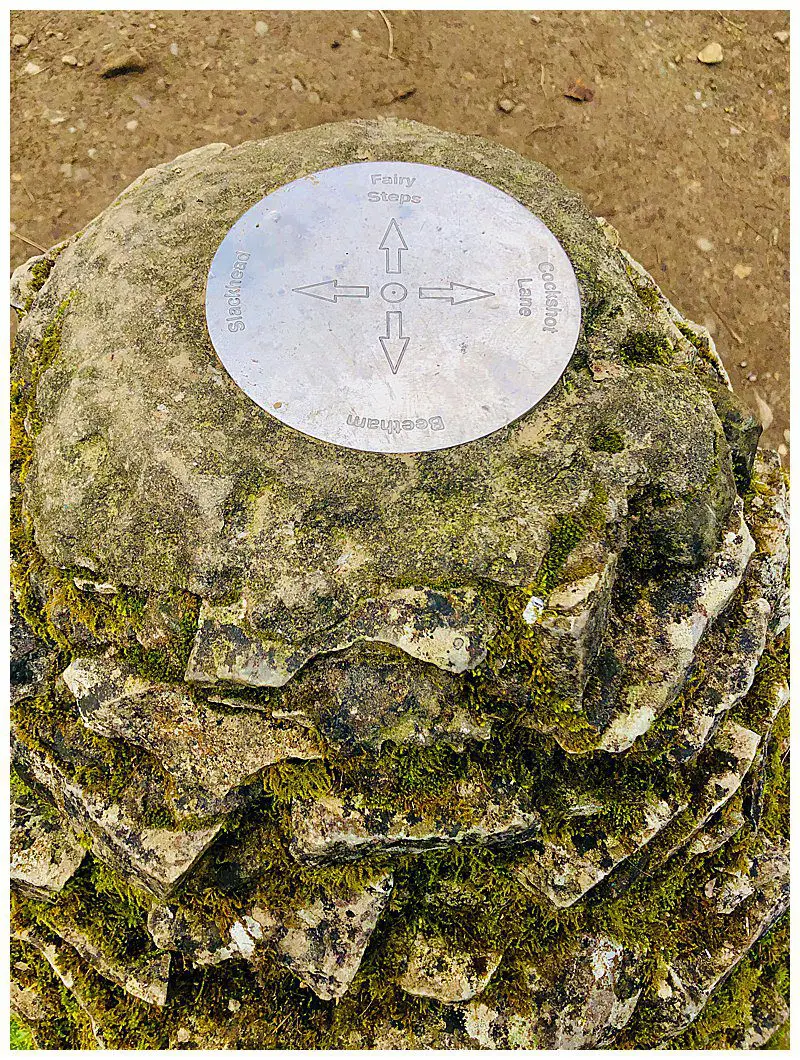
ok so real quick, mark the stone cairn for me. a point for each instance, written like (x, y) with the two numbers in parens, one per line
(484, 747)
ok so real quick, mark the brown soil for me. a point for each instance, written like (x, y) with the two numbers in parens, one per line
(688, 161)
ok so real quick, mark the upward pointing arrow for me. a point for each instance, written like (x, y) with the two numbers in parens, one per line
(394, 244)
(394, 342)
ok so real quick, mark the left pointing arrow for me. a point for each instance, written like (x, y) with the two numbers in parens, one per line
(330, 291)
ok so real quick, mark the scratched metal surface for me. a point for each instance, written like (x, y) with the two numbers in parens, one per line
(392, 307)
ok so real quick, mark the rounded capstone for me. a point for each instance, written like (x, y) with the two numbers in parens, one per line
(153, 468)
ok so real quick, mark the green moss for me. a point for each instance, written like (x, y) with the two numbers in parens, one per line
(106, 910)
(607, 440)
(20, 1036)
(647, 295)
(39, 274)
(758, 984)
(647, 347)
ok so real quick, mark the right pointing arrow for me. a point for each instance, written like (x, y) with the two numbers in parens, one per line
(456, 293)
(394, 342)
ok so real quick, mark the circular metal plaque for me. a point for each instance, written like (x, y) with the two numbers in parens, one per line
(392, 307)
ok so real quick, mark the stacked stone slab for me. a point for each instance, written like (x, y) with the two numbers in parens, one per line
(480, 748)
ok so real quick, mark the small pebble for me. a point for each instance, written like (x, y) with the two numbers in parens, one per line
(753, 377)
(32, 68)
(782, 35)
(506, 105)
(782, 450)
(711, 54)
(705, 245)
(262, 29)
(173, 49)
(132, 125)
(741, 272)
(297, 85)
(69, 60)
(234, 1005)
(355, 34)
(742, 364)
(19, 40)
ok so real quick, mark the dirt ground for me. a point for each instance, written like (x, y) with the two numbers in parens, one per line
(688, 161)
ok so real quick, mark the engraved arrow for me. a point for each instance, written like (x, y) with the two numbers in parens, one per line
(394, 342)
(456, 293)
(330, 291)
(394, 245)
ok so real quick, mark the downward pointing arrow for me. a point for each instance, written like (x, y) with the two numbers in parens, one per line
(394, 244)
(394, 342)
(330, 291)
(456, 293)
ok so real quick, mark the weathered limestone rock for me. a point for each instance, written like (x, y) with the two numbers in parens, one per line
(31, 660)
(28, 1005)
(731, 754)
(157, 858)
(145, 979)
(198, 939)
(297, 705)
(371, 699)
(45, 852)
(580, 1004)
(197, 745)
(674, 620)
(688, 983)
(332, 828)
(765, 1023)
(565, 867)
(449, 630)
(322, 942)
(438, 969)
(716, 833)
(55, 957)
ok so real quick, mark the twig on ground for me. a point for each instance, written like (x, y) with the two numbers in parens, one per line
(542, 128)
(30, 242)
(754, 229)
(735, 334)
(390, 52)
(735, 25)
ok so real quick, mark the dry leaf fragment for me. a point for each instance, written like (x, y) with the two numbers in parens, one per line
(579, 91)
